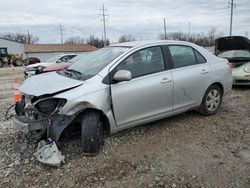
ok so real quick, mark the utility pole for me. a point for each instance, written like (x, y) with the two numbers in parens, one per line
(61, 32)
(103, 19)
(233, 5)
(28, 33)
(165, 29)
(189, 30)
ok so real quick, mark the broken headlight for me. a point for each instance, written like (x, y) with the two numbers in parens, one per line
(19, 106)
(49, 105)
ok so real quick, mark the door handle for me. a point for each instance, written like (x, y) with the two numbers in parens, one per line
(204, 71)
(164, 80)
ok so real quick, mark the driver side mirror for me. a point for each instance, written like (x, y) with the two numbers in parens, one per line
(122, 75)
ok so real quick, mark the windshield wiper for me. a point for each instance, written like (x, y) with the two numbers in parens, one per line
(74, 71)
(69, 72)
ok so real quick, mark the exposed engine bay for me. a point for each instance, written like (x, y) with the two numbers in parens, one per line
(36, 117)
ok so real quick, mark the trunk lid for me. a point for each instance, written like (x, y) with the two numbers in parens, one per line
(231, 43)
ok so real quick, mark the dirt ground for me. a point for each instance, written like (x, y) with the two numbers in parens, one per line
(187, 150)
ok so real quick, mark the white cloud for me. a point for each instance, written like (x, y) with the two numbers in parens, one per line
(140, 18)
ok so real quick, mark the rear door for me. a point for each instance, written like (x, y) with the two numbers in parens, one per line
(191, 74)
(148, 95)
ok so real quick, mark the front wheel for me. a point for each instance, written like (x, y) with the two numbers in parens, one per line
(92, 133)
(211, 101)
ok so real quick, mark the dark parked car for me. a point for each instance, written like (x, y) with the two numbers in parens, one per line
(31, 60)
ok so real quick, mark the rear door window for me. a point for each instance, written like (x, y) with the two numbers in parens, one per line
(182, 56)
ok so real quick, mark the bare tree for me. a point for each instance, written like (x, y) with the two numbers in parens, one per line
(126, 38)
(75, 40)
(21, 37)
(201, 39)
(95, 41)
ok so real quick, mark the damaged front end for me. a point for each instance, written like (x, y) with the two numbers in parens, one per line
(37, 117)
(37, 114)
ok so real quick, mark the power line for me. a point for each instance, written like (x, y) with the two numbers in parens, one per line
(233, 5)
(61, 32)
(28, 33)
(103, 19)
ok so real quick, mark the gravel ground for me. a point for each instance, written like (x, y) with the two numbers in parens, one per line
(187, 150)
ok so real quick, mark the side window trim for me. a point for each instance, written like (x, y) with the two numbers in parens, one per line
(167, 57)
(200, 55)
(196, 59)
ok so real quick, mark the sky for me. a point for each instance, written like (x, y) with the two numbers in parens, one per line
(143, 19)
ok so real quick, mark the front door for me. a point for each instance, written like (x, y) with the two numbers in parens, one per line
(148, 95)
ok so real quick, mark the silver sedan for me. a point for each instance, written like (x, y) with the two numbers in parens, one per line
(122, 86)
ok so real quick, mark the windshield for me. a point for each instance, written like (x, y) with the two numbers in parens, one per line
(235, 54)
(95, 61)
(54, 58)
(78, 57)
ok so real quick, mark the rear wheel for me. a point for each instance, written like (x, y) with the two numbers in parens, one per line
(1, 63)
(211, 101)
(92, 133)
(18, 62)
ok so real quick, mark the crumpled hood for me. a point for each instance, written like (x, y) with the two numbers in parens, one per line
(231, 43)
(48, 83)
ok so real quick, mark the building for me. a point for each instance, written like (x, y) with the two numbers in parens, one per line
(12, 46)
(45, 51)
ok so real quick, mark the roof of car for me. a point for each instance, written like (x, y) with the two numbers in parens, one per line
(149, 42)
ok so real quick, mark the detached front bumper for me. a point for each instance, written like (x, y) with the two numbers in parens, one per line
(49, 128)
(32, 129)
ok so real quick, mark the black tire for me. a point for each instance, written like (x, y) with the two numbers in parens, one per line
(204, 109)
(1, 63)
(92, 133)
(18, 62)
